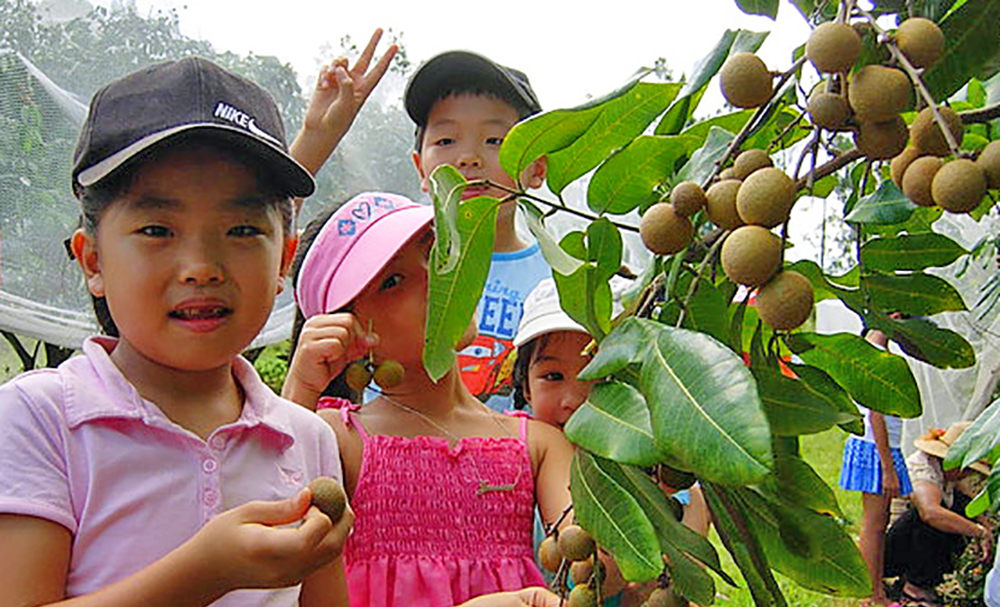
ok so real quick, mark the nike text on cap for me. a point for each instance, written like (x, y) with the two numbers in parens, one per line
(158, 103)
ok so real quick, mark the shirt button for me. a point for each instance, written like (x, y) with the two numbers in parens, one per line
(209, 465)
(218, 442)
(210, 497)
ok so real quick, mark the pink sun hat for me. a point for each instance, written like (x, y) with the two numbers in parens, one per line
(353, 246)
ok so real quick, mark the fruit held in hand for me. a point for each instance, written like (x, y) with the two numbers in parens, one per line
(575, 544)
(878, 93)
(921, 40)
(582, 596)
(751, 255)
(786, 301)
(959, 186)
(328, 495)
(663, 231)
(746, 81)
(357, 376)
(389, 374)
(688, 198)
(766, 198)
(549, 555)
(833, 47)
(927, 136)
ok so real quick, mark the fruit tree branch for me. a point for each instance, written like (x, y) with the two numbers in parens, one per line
(513, 192)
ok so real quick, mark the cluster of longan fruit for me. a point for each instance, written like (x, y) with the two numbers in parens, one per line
(387, 374)
(575, 545)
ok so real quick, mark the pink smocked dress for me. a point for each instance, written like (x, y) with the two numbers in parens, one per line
(424, 533)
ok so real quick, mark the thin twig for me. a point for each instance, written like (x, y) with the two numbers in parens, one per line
(985, 114)
(513, 193)
(705, 263)
(831, 167)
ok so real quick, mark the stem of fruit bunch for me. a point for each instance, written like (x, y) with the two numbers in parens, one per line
(981, 115)
(914, 75)
(830, 167)
(754, 121)
(704, 265)
(514, 193)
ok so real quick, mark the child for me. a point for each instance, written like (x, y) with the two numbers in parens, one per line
(463, 105)
(874, 465)
(443, 487)
(157, 468)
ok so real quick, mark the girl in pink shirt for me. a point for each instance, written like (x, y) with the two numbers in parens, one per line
(444, 489)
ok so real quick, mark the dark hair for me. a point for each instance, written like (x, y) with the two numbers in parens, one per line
(474, 90)
(95, 199)
(525, 354)
(338, 386)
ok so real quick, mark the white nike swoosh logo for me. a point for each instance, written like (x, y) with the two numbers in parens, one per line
(256, 130)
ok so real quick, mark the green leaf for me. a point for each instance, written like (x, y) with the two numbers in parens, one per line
(821, 385)
(979, 441)
(873, 377)
(620, 120)
(543, 134)
(885, 205)
(446, 187)
(585, 295)
(623, 346)
(558, 259)
(910, 252)
(792, 408)
(767, 8)
(916, 294)
(453, 296)
(702, 162)
(972, 42)
(920, 338)
(614, 423)
(628, 179)
(680, 113)
(835, 568)
(795, 482)
(614, 518)
(708, 311)
(704, 406)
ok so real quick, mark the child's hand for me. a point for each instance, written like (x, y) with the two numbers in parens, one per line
(327, 343)
(250, 548)
(890, 482)
(528, 597)
(341, 91)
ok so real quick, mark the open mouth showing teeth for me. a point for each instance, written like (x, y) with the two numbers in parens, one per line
(200, 313)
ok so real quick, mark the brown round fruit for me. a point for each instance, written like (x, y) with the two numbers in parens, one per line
(897, 168)
(878, 93)
(989, 162)
(357, 376)
(959, 186)
(918, 178)
(921, 40)
(828, 110)
(746, 81)
(833, 47)
(926, 133)
(766, 198)
(575, 544)
(581, 572)
(882, 140)
(751, 255)
(663, 231)
(665, 597)
(582, 596)
(786, 301)
(328, 495)
(688, 198)
(727, 173)
(749, 161)
(721, 205)
(548, 554)
(389, 374)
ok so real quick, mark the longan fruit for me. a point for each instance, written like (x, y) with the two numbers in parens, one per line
(921, 40)
(926, 133)
(665, 597)
(828, 110)
(721, 204)
(688, 198)
(746, 81)
(328, 495)
(897, 168)
(878, 93)
(958, 186)
(575, 543)
(582, 596)
(581, 572)
(786, 301)
(728, 173)
(388, 374)
(882, 140)
(749, 161)
(357, 376)
(989, 162)
(750, 255)
(548, 554)
(833, 47)
(663, 231)
(918, 178)
(766, 197)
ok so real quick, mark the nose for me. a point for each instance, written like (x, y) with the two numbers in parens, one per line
(470, 158)
(201, 262)
(576, 395)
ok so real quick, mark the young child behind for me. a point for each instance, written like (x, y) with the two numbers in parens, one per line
(463, 105)
(157, 468)
(444, 488)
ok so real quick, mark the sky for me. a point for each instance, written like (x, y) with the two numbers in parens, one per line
(569, 53)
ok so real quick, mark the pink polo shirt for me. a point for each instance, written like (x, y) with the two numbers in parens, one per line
(80, 447)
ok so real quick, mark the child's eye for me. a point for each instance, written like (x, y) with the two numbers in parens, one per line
(494, 140)
(245, 231)
(444, 141)
(154, 231)
(390, 282)
(553, 376)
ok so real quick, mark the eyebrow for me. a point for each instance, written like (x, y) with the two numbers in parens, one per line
(497, 122)
(152, 203)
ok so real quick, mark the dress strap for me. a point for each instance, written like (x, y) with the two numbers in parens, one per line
(351, 421)
(524, 416)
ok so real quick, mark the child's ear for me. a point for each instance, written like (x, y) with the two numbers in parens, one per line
(287, 255)
(534, 175)
(84, 247)
(418, 163)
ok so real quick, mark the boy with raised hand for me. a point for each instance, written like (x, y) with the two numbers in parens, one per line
(463, 105)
